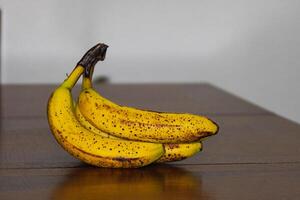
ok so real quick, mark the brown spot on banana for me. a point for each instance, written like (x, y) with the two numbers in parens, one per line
(172, 146)
(130, 122)
(101, 161)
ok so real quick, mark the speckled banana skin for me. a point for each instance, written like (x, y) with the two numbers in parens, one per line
(87, 146)
(86, 124)
(140, 125)
(134, 124)
(173, 152)
(177, 152)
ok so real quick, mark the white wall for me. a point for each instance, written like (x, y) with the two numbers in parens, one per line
(250, 48)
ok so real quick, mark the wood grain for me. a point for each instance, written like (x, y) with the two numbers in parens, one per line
(31, 100)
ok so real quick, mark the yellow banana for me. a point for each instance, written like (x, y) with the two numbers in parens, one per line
(135, 124)
(91, 127)
(87, 146)
(176, 152)
(173, 152)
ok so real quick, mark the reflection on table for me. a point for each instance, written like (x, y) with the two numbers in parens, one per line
(153, 182)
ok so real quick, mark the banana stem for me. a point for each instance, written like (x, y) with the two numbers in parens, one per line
(88, 77)
(90, 58)
(91, 72)
(73, 77)
(86, 83)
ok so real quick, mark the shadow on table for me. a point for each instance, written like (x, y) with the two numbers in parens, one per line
(153, 182)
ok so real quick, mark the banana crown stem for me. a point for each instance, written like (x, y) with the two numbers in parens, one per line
(87, 77)
(89, 60)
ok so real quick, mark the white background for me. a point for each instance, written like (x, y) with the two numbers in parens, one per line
(250, 48)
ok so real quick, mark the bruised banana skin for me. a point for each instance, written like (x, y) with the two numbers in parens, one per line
(173, 152)
(88, 146)
(135, 124)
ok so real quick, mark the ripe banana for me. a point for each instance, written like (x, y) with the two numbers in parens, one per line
(176, 152)
(87, 146)
(140, 125)
(91, 127)
(173, 152)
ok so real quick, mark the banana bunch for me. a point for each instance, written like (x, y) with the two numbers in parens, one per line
(102, 133)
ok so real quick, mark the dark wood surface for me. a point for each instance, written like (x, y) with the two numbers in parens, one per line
(256, 154)
(30, 101)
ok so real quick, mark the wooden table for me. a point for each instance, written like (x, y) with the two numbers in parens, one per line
(256, 154)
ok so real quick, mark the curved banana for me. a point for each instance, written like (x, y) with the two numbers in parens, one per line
(91, 127)
(173, 152)
(84, 144)
(140, 125)
(177, 152)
